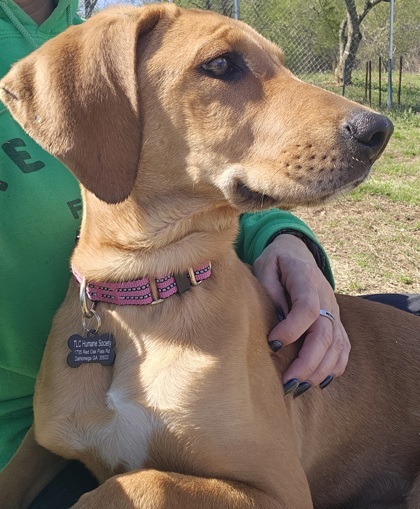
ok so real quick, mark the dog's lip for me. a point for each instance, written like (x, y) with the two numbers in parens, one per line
(244, 196)
(247, 192)
(378, 155)
(341, 190)
(247, 196)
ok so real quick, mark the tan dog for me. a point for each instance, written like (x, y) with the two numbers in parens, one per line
(174, 122)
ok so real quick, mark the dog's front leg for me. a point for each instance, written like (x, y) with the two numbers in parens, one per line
(152, 489)
(29, 470)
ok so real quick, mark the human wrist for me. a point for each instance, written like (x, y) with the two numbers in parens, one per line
(314, 249)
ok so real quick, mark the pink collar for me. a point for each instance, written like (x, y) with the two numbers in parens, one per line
(146, 290)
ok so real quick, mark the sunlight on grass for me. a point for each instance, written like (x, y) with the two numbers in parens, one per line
(396, 175)
(396, 191)
(410, 92)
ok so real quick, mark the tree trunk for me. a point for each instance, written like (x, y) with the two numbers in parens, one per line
(350, 37)
(89, 6)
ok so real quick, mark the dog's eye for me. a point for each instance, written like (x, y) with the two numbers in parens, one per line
(223, 67)
(218, 66)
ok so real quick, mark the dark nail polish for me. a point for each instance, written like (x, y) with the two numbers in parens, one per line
(275, 345)
(326, 382)
(303, 387)
(291, 385)
(280, 314)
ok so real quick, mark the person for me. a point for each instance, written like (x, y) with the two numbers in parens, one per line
(41, 211)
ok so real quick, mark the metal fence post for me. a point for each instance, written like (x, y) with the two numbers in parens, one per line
(391, 44)
(236, 9)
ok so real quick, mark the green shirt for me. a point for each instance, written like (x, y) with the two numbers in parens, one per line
(40, 210)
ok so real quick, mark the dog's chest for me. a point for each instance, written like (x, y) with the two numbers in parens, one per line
(143, 401)
(128, 432)
(117, 432)
(111, 419)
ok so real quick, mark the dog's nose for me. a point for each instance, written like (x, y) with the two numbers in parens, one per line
(371, 131)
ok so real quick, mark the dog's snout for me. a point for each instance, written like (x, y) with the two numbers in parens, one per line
(371, 131)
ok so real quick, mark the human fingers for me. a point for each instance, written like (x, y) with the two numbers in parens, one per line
(310, 293)
(304, 311)
(323, 356)
(267, 272)
(290, 275)
(339, 351)
(314, 348)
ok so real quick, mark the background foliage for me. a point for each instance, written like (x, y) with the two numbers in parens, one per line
(308, 33)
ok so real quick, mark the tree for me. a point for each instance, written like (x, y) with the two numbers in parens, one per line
(350, 36)
(224, 7)
(89, 7)
(406, 35)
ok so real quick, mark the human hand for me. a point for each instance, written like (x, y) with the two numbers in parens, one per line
(288, 271)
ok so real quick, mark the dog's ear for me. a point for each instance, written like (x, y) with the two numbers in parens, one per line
(77, 97)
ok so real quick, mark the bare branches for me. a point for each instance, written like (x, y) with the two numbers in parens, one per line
(350, 36)
(369, 5)
(89, 7)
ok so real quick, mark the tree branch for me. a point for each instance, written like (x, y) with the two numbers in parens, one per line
(369, 5)
(89, 6)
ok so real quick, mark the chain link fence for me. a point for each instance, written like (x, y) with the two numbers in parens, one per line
(308, 32)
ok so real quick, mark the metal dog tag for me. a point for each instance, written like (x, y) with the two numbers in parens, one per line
(90, 349)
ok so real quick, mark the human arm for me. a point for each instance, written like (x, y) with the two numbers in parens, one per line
(297, 275)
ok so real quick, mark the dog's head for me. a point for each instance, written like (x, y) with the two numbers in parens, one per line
(138, 96)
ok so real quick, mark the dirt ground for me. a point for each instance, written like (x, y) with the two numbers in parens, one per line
(373, 244)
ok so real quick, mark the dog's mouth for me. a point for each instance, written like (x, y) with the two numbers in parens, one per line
(244, 197)
(331, 195)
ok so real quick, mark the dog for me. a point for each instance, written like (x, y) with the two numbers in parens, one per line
(174, 122)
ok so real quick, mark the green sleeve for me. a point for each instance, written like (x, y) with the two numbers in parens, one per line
(258, 228)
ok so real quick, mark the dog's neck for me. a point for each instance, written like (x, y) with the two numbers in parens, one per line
(130, 240)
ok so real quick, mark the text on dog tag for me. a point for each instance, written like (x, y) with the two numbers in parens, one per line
(90, 349)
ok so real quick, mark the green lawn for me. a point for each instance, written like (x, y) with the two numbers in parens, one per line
(397, 174)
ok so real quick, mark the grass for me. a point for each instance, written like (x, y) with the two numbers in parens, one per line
(410, 90)
(372, 236)
(396, 175)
